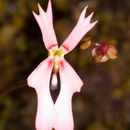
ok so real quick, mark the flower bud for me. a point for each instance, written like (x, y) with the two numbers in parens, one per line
(86, 43)
(103, 52)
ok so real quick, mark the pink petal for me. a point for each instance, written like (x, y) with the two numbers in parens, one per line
(82, 27)
(69, 74)
(39, 79)
(97, 44)
(49, 11)
(94, 52)
(45, 21)
(70, 83)
(104, 58)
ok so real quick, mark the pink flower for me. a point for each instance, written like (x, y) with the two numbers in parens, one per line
(58, 115)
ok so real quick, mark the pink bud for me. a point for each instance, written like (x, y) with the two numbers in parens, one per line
(103, 52)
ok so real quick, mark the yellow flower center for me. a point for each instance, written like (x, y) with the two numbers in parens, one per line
(57, 54)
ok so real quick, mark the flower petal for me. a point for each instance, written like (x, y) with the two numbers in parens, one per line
(70, 83)
(42, 71)
(94, 52)
(68, 73)
(104, 58)
(45, 21)
(82, 27)
(39, 79)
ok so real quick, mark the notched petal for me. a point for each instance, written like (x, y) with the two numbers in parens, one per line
(82, 27)
(45, 21)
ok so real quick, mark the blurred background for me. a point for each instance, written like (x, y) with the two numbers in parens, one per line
(104, 100)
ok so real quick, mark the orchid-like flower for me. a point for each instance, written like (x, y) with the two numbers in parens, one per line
(58, 115)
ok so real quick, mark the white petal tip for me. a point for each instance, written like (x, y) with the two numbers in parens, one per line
(54, 82)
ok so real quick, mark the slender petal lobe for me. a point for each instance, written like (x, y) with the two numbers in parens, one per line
(82, 27)
(70, 83)
(45, 21)
(39, 79)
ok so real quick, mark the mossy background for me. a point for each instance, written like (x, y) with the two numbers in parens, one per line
(104, 101)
